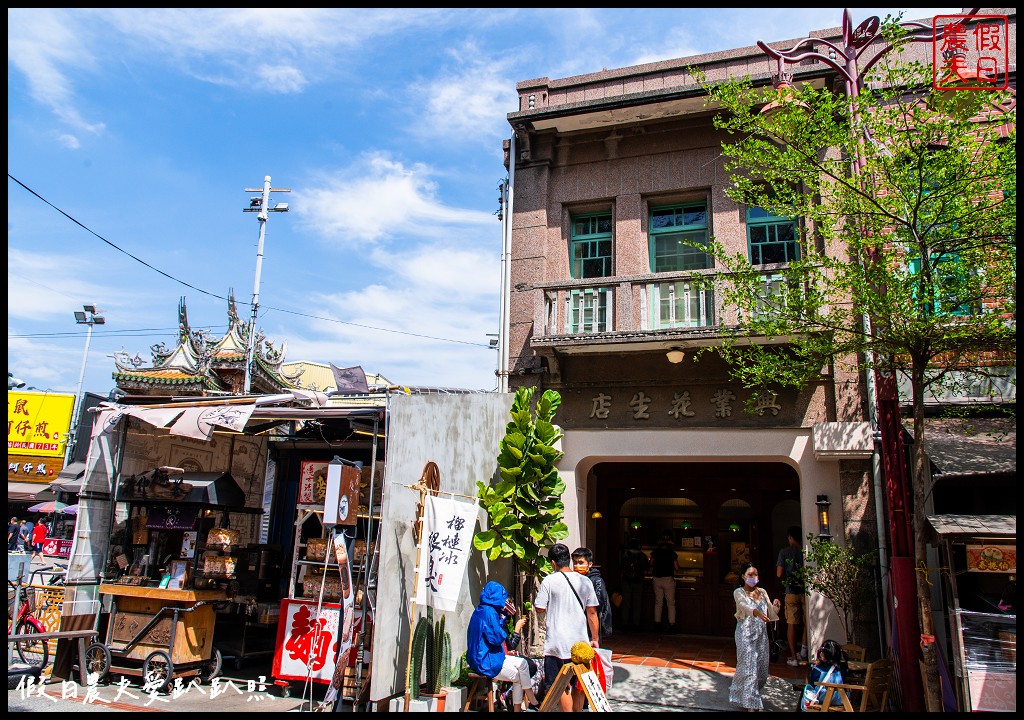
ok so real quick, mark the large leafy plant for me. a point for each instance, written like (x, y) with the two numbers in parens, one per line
(525, 507)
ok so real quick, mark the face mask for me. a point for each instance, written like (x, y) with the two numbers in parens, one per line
(751, 581)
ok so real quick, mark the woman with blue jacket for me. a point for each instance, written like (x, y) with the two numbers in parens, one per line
(486, 641)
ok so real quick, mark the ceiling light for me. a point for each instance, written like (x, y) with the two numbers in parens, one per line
(675, 355)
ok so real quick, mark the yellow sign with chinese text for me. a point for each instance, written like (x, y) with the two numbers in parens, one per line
(38, 423)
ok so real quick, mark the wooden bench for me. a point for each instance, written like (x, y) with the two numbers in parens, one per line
(80, 635)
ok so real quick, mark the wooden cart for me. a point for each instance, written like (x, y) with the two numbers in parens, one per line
(158, 634)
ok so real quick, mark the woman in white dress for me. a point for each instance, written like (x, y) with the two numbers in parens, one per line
(754, 609)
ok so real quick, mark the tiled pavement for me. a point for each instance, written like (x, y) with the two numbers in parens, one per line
(688, 652)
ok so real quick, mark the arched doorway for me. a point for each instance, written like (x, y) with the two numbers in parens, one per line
(719, 516)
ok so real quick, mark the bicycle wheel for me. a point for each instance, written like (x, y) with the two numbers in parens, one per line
(211, 668)
(157, 671)
(97, 662)
(32, 652)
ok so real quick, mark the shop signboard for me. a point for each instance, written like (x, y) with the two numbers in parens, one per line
(307, 638)
(992, 558)
(58, 547)
(38, 423)
(312, 482)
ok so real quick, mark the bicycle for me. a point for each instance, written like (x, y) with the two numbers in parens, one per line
(34, 653)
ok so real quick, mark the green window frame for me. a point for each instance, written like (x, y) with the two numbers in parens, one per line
(941, 303)
(771, 238)
(670, 228)
(590, 246)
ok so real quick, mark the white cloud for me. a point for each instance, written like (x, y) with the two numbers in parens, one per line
(281, 78)
(468, 102)
(40, 43)
(422, 322)
(377, 198)
(69, 141)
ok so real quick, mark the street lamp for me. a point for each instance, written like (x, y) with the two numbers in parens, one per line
(259, 204)
(87, 316)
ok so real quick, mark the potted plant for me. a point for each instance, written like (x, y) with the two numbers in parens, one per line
(841, 574)
(432, 651)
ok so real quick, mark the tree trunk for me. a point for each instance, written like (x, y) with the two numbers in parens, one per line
(932, 688)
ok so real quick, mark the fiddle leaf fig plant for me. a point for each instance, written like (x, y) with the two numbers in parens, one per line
(525, 507)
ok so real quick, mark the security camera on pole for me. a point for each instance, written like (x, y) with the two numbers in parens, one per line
(259, 204)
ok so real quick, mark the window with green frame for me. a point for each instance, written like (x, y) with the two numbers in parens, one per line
(771, 238)
(590, 247)
(670, 230)
(946, 282)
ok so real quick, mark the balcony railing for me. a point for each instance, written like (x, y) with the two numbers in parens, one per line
(646, 307)
(610, 305)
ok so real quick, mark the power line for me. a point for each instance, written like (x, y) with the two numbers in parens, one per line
(221, 297)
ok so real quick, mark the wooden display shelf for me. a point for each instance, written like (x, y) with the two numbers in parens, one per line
(156, 593)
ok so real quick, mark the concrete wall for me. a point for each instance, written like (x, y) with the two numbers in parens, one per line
(460, 433)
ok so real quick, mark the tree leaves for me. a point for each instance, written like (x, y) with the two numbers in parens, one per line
(525, 508)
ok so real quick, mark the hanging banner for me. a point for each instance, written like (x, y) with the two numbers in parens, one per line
(346, 645)
(445, 542)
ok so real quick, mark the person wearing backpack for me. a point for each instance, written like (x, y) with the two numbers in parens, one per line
(583, 563)
(633, 563)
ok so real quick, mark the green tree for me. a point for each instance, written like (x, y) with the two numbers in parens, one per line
(907, 259)
(525, 508)
(842, 576)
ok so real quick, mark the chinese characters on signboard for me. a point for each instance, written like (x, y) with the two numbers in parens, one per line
(970, 52)
(307, 638)
(445, 542)
(38, 423)
(681, 407)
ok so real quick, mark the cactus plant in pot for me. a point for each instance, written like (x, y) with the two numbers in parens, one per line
(432, 653)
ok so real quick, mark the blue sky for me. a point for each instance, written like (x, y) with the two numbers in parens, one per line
(146, 125)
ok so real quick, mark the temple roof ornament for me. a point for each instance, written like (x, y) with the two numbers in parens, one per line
(204, 364)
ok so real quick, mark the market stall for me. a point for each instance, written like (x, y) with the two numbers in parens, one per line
(980, 552)
(173, 557)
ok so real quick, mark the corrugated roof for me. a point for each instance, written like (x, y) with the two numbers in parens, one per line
(971, 446)
(974, 525)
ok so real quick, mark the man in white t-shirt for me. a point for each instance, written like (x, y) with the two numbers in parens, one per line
(569, 606)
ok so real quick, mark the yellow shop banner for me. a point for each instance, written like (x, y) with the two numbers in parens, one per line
(38, 423)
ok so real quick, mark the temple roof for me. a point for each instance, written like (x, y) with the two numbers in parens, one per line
(200, 364)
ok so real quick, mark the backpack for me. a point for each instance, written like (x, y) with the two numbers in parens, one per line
(634, 566)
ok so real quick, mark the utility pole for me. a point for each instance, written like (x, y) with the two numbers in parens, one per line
(259, 204)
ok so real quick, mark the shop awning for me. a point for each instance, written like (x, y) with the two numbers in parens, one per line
(947, 527)
(70, 475)
(26, 491)
(213, 490)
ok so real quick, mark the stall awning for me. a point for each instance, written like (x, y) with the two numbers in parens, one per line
(71, 476)
(27, 491)
(948, 527)
(214, 490)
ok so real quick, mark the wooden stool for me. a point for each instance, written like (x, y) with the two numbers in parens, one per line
(477, 688)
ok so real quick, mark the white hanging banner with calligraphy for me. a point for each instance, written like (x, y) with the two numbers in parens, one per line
(445, 542)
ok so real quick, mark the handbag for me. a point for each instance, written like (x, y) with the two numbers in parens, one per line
(813, 694)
